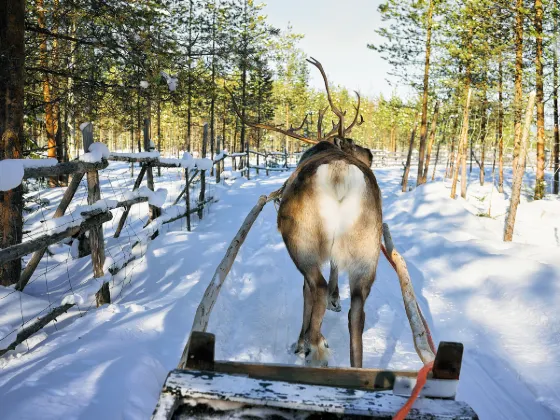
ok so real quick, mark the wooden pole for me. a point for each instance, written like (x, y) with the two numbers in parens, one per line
(36, 326)
(203, 173)
(518, 174)
(154, 211)
(419, 333)
(127, 210)
(218, 165)
(36, 258)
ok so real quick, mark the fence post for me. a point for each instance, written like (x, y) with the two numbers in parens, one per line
(219, 164)
(96, 240)
(266, 161)
(248, 163)
(154, 211)
(203, 173)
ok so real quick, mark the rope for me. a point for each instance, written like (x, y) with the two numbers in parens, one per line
(420, 382)
(423, 372)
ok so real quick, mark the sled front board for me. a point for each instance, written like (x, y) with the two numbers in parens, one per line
(204, 394)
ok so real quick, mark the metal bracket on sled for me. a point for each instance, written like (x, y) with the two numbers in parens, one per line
(445, 374)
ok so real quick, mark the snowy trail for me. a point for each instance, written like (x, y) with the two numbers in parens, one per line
(498, 299)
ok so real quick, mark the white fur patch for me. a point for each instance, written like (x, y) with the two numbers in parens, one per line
(340, 204)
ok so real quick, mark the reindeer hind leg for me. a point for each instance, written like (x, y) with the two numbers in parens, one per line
(333, 303)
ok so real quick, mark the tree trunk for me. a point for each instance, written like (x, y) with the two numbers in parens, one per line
(556, 156)
(409, 156)
(518, 83)
(430, 143)
(421, 178)
(483, 134)
(500, 126)
(540, 186)
(518, 175)
(461, 152)
(12, 26)
(51, 120)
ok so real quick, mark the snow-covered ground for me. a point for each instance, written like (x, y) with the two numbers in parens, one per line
(499, 299)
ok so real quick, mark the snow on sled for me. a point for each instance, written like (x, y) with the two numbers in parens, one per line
(206, 388)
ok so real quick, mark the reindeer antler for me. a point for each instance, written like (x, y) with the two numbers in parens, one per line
(357, 108)
(337, 129)
(336, 111)
(291, 132)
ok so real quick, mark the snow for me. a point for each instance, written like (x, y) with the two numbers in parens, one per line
(99, 148)
(158, 197)
(499, 299)
(11, 174)
(12, 170)
(172, 81)
(72, 299)
(204, 164)
(184, 163)
(152, 155)
(39, 163)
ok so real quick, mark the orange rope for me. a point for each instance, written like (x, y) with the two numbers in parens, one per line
(420, 382)
(422, 373)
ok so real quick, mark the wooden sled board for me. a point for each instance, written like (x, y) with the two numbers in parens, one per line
(194, 394)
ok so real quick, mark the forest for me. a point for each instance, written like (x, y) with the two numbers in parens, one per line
(213, 107)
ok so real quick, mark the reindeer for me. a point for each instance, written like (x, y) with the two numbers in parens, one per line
(331, 211)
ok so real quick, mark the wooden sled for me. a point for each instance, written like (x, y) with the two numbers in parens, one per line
(204, 388)
(220, 389)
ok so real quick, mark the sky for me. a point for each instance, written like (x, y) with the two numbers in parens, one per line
(337, 33)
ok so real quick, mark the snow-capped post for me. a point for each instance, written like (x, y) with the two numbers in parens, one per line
(36, 258)
(518, 174)
(96, 240)
(203, 172)
(154, 211)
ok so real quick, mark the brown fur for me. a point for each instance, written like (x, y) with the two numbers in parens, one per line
(307, 239)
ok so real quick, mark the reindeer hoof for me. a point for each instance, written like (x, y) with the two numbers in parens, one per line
(317, 355)
(334, 304)
(299, 349)
(316, 363)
